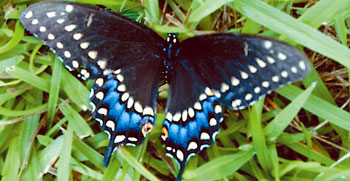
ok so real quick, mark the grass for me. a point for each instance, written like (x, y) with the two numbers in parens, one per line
(293, 134)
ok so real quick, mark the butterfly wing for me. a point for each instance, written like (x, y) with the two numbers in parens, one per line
(84, 36)
(192, 115)
(241, 68)
(234, 70)
(120, 54)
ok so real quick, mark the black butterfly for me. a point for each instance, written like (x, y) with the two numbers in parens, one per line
(128, 60)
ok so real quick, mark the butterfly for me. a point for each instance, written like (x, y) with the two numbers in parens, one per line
(128, 60)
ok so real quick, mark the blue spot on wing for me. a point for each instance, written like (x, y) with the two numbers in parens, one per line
(123, 125)
(184, 139)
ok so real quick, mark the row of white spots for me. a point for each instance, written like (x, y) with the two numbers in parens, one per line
(191, 146)
(189, 113)
(70, 28)
(280, 55)
(125, 95)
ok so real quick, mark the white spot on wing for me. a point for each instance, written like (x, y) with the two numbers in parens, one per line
(130, 102)
(70, 28)
(267, 44)
(75, 64)
(205, 136)
(260, 62)
(67, 54)
(50, 36)
(208, 91)
(69, 8)
(42, 29)
(244, 75)
(35, 21)
(257, 90)
(29, 14)
(236, 103)
(252, 69)
(121, 88)
(138, 107)
(197, 106)
(248, 97)
(234, 81)
(275, 78)
(294, 69)
(99, 82)
(302, 65)
(51, 14)
(100, 95)
(213, 122)
(84, 45)
(102, 111)
(192, 146)
(217, 109)
(133, 139)
(60, 21)
(110, 124)
(77, 36)
(120, 77)
(92, 54)
(177, 116)
(148, 111)
(59, 45)
(102, 63)
(125, 96)
(224, 87)
(180, 155)
(281, 56)
(202, 97)
(169, 116)
(270, 60)
(184, 115)
(284, 74)
(119, 138)
(191, 112)
(265, 84)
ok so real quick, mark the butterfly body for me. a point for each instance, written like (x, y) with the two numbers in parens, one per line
(128, 60)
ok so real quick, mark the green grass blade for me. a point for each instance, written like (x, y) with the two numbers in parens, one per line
(9, 62)
(136, 164)
(79, 125)
(315, 16)
(63, 166)
(220, 167)
(299, 32)
(15, 113)
(54, 90)
(49, 155)
(258, 136)
(92, 155)
(17, 37)
(30, 78)
(319, 107)
(206, 9)
(276, 127)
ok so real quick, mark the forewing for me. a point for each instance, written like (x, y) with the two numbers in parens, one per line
(94, 40)
(241, 68)
(122, 55)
